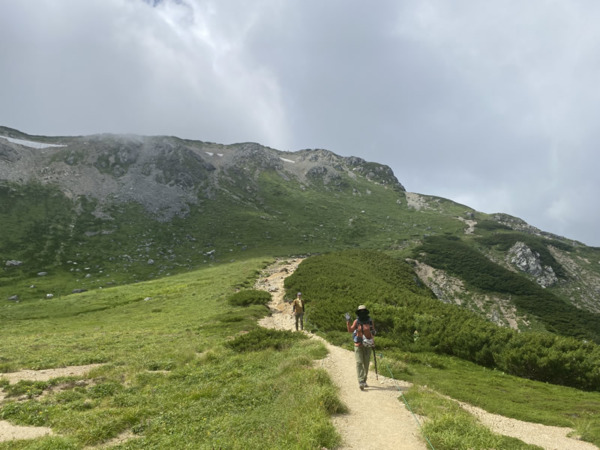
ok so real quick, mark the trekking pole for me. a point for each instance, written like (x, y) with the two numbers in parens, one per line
(375, 360)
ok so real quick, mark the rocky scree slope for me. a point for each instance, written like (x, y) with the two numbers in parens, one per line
(166, 174)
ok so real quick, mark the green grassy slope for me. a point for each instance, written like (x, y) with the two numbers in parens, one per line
(172, 374)
(80, 249)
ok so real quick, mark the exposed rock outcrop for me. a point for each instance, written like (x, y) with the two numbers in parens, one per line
(13, 263)
(517, 224)
(528, 261)
(448, 289)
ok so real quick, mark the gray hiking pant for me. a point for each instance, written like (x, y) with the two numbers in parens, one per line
(300, 319)
(362, 355)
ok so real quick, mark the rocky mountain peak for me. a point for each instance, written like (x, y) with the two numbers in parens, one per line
(166, 174)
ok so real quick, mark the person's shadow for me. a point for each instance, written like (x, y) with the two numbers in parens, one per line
(398, 389)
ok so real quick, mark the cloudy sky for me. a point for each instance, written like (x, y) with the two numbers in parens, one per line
(491, 104)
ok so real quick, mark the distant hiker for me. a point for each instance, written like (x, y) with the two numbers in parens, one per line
(298, 310)
(362, 330)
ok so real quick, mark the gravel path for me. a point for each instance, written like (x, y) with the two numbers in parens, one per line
(378, 412)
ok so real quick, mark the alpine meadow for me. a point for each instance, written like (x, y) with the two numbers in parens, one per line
(137, 257)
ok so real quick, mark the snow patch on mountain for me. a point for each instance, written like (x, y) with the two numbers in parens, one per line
(31, 144)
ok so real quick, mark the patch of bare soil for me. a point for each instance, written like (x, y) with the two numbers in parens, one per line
(120, 439)
(416, 201)
(377, 414)
(8, 431)
(470, 225)
(48, 374)
(450, 289)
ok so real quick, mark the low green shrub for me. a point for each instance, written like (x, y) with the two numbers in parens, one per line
(107, 389)
(45, 443)
(249, 297)
(263, 338)
(28, 388)
(30, 412)
(459, 259)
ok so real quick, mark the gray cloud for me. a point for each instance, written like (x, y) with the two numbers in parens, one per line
(491, 104)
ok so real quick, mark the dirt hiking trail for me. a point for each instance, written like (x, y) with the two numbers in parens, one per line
(388, 423)
(379, 409)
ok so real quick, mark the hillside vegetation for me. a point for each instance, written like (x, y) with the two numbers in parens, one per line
(105, 210)
(338, 282)
(78, 249)
(400, 305)
(458, 258)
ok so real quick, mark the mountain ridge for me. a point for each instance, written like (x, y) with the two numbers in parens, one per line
(166, 173)
(135, 207)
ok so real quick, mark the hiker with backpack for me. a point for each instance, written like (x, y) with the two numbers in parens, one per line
(298, 310)
(362, 330)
